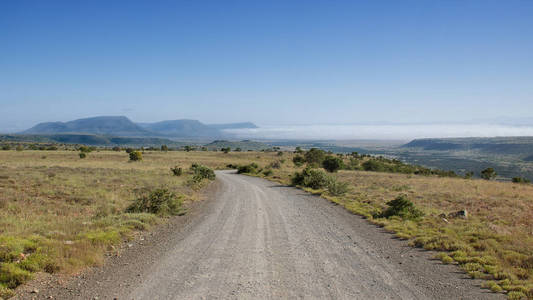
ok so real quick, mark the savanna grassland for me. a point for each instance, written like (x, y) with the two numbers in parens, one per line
(60, 213)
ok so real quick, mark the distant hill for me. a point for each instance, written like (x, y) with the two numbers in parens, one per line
(181, 128)
(90, 139)
(497, 145)
(122, 126)
(243, 125)
(244, 145)
(107, 125)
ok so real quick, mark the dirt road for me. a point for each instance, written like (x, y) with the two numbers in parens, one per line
(258, 240)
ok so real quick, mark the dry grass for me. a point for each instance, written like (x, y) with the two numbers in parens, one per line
(60, 213)
(495, 242)
(66, 212)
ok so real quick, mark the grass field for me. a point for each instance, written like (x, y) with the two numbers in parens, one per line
(60, 213)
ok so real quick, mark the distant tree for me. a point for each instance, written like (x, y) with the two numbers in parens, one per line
(238, 149)
(116, 148)
(298, 150)
(86, 149)
(315, 156)
(6, 147)
(280, 153)
(164, 148)
(19, 148)
(83, 155)
(188, 148)
(521, 180)
(129, 150)
(226, 150)
(469, 175)
(488, 174)
(136, 156)
(204, 148)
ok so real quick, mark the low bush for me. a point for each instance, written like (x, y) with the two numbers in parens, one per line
(336, 188)
(521, 180)
(136, 156)
(332, 164)
(403, 208)
(83, 155)
(160, 202)
(202, 172)
(275, 165)
(232, 166)
(252, 168)
(177, 171)
(298, 160)
(267, 172)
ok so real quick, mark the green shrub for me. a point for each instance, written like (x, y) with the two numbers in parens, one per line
(298, 160)
(275, 165)
(232, 166)
(164, 148)
(19, 148)
(202, 172)
(336, 188)
(267, 172)
(160, 201)
(12, 276)
(332, 164)
(6, 293)
(315, 156)
(116, 148)
(520, 180)
(315, 179)
(488, 174)
(249, 169)
(83, 155)
(177, 171)
(402, 207)
(136, 156)
(129, 150)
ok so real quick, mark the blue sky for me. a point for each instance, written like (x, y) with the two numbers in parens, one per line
(270, 62)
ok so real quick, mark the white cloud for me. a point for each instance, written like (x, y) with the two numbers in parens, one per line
(347, 132)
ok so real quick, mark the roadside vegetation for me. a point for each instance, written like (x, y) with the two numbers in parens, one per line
(483, 226)
(60, 213)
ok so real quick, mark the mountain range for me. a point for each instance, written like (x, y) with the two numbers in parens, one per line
(122, 126)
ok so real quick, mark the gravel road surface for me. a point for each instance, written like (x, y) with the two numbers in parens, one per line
(254, 239)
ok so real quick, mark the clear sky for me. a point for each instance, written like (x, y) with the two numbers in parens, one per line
(270, 62)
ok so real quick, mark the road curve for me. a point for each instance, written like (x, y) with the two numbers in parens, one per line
(261, 240)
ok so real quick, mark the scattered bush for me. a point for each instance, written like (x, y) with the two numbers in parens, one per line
(232, 166)
(402, 207)
(6, 147)
(136, 156)
(249, 169)
(315, 156)
(202, 172)
(164, 148)
(19, 148)
(332, 164)
(315, 179)
(129, 150)
(83, 155)
(275, 165)
(298, 160)
(226, 150)
(521, 180)
(469, 175)
(116, 148)
(336, 188)
(86, 149)
(267, 172)
(488, 174)
(160, 201)
(280, 153)
(177, 171)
